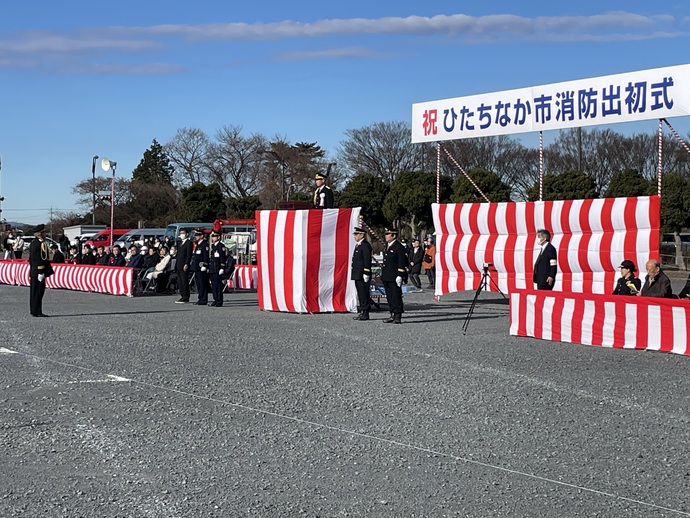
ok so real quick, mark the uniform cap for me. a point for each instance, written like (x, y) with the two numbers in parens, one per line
(629, 265)
(391, 231)
(38, 228)
(358, 230)
(320, 176)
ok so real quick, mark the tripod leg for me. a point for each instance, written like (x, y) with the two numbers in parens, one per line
(495, 285)
(482, 285)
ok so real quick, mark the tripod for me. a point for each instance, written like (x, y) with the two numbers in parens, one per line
(483, 285)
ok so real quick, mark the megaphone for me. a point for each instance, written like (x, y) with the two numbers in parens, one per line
(107, 164)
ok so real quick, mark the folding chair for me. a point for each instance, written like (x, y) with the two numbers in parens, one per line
(138, 281)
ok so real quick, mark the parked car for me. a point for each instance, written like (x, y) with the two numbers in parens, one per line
(172, 231)
(138, 236)
(103, 237)
(29, 239)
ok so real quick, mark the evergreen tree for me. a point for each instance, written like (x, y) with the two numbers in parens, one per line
(628, 183)
(409, 200)
(202, 202)
(571, 185)
(243, 207)
(368, 192)
(490, 184)
(154, 166)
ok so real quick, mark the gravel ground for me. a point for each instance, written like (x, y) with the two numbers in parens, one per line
(141, 407)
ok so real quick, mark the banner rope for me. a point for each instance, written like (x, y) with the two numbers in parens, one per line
(463, 172)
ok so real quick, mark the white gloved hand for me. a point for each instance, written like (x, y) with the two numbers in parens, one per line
(366, 278)
(41, 277)
(221, 271)
(203, 268)
(398, 281)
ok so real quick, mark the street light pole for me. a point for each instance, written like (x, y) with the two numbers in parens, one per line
(112, 202)
(93, 189)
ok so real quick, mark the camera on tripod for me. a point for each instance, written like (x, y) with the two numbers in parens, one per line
(488, 265)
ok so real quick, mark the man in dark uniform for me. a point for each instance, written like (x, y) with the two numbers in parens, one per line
(39, 269)
(392, 272)
(199, 265)
(184, 258)
(216, 267)
(323, 195)
(545, 268)
(361, 273)
(414, 257)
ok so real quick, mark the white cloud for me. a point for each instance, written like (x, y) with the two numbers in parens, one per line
(337, 53)
(492, 27)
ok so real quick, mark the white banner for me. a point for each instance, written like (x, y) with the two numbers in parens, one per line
(647, 94)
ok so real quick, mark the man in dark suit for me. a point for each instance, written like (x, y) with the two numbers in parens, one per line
(361, 273)
(394, 263)
(184, 257)
(39, 269)
(323, 195)
(415, 256)
(546, 266)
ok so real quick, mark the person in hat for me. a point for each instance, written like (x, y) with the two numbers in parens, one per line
(546, 265)
(323, 195)
(392, 272)
(39, 269)
(184, 259)
(216, 269)
(58, 256)
(628, 284)
(361, 273)
(199, 266)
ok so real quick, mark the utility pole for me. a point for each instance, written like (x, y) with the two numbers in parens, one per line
(93, 189)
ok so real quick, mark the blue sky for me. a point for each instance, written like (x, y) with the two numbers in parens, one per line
(86, 78)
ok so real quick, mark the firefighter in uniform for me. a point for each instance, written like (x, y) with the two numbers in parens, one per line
(392, 272)
(199, 265)
(361, 273)
(39, 269)
(323, 195)
(216, 268)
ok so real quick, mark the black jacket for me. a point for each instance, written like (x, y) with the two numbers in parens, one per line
(38, 258)
(199, 256)
(394, 262)
(184, 254)
(659, 286)
(58, 258)
(361, 261)
(545, 267)
(217, 258)
(622, 287)
(416, 259)
(325, 201)
(685, 292)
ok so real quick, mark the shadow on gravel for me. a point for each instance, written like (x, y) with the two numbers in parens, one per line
(122, 313)
(449, 317)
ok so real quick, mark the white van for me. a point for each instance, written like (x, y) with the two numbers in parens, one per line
(138, 236)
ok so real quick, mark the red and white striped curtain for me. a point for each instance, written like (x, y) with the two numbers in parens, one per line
(304, 260)
(591, 237)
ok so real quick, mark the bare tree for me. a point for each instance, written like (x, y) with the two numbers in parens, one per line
(187, 152)
(235, 162)
(382, 149)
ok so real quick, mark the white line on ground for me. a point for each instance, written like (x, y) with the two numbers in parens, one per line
(378, 439)
(7, 351)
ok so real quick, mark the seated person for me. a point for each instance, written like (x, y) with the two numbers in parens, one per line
(136, 260)
(628, 284)
(229, 268)
(101, 256)
(656, 284)
(58, 256)
(160, 265)
(87, 256)
(116, 259)
(73, 257)
(151, 258)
